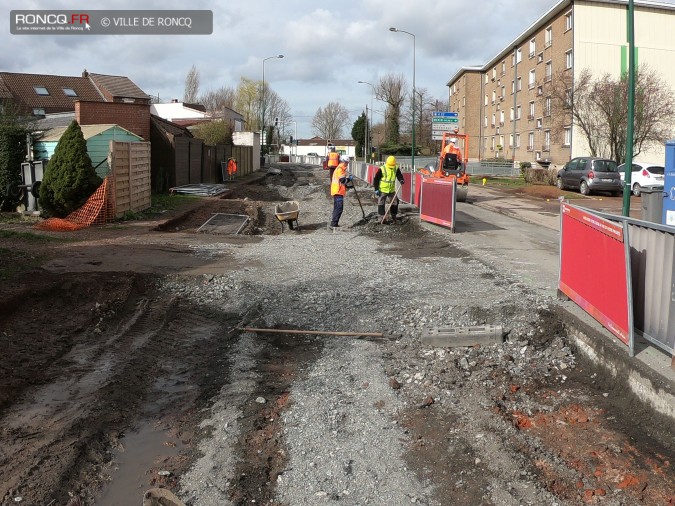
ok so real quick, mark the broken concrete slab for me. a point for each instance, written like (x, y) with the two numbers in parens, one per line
(454, 337)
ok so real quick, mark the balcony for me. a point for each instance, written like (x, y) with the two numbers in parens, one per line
(531, 54)
(547, 44)
(547, 79)
(530, 116)
(501, 123)
(493, 125)
(546, 147)
(530, 147)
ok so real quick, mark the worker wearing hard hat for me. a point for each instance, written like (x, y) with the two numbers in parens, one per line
(384, 182)
(451, 155)
(338, 188)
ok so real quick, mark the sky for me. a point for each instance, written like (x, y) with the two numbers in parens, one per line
(327, 46)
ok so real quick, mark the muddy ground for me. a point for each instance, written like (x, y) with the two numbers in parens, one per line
(105, 379)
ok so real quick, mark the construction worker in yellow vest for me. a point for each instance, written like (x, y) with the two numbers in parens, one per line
(338, 188)
(332, 161)
(384, 182)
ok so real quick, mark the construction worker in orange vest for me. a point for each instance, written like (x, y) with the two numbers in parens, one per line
(338, 188)
(448, 162)
(231, 168)
(333, 160)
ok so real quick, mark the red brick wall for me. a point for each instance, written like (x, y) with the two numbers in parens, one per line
(133, 117)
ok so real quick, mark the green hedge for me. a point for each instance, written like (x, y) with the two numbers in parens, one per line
(12, 154)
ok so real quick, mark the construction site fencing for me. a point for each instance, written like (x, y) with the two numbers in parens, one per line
(473, 167)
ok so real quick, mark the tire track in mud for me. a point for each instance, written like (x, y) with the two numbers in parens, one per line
(136, 361)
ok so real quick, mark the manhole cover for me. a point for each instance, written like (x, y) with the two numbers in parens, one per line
(224, 224)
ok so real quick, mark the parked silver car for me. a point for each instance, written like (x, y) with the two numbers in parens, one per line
(587, 174)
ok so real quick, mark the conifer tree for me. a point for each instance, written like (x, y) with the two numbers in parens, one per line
(70, 178)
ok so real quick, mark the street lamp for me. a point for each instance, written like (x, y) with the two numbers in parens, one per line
(264, 103)
(392, 29)
(369, 123)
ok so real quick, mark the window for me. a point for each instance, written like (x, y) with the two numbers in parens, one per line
(41, 90)
(485, 124)
(517, 140)
(501, 118)
(464, 100)
(511, 140)
(503, 92)
(539, 123)
(568, 59)
(519, 84)
(512, 116)
(531, 79)
(494, 96)
(493, 143)
(533, 47)
(530, 115)
(530, 141)
(519, 55)
(568, 21)
(503, 67)
(547, 140)
(540, 57)
(38, 111)
(518, 112)
(494, 73)
(486, 100)
(513, 87)
(567, 136)
(548, 37)
(549, 71)
(540, 91)
(69, 92)
(486, 78)
(494, 119)
(547, 106)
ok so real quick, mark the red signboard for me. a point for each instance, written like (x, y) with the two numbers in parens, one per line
(406, 190)
(370, 175)
(417, 187)
(594, 269)
(437, 201)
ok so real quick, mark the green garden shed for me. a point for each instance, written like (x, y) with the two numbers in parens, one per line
(98, 139)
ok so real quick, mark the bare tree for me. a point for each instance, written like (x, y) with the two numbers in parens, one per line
(598, 108)
(247, 103)
(216, 101)
(391, 89)
(191, 86)
(329, 122)
(425, 104)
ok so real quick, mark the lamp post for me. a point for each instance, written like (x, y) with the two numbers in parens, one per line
(264, 103)
(369, 122)
(392, 29)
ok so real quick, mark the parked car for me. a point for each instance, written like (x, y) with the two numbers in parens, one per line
(587, 174)
(643, 174)
(313, 154)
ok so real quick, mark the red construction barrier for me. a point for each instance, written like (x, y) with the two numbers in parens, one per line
(594, 269)
(418, 187)
(437, 201)
(370, 175)
(406, 189)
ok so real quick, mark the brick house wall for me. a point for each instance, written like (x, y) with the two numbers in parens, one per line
(133, 117)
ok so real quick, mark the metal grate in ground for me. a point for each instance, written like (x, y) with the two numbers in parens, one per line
(224, 224)
(203, 190)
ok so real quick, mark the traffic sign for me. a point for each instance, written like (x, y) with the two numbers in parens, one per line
(437, 136)
(443, 120)
(438, 114)
(447, 127)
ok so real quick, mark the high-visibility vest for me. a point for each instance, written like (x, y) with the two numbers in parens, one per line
(335, 187)
(231, 166)
(388, 180)
(333, 159)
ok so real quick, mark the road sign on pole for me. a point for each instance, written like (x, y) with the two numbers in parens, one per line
(437, 114)
(435, 120)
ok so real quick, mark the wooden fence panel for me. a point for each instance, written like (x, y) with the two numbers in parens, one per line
(131, 169)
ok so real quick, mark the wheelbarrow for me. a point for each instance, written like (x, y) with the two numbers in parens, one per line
(288, 212)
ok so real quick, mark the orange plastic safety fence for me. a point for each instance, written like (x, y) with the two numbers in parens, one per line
(99, 209)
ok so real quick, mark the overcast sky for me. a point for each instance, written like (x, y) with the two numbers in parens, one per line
(327, 46)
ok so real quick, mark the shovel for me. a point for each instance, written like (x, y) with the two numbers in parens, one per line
(359, 199)
(390, 204)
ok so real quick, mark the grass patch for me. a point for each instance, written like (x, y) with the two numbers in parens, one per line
(160, 203)
(503, 181)
(16, 262)
(28, 236)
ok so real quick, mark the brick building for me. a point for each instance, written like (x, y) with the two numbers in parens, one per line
(504, 105)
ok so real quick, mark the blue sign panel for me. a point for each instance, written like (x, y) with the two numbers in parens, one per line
(444, 114)
(668, 216)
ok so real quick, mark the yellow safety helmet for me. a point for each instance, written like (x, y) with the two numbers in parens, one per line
(391, 161)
